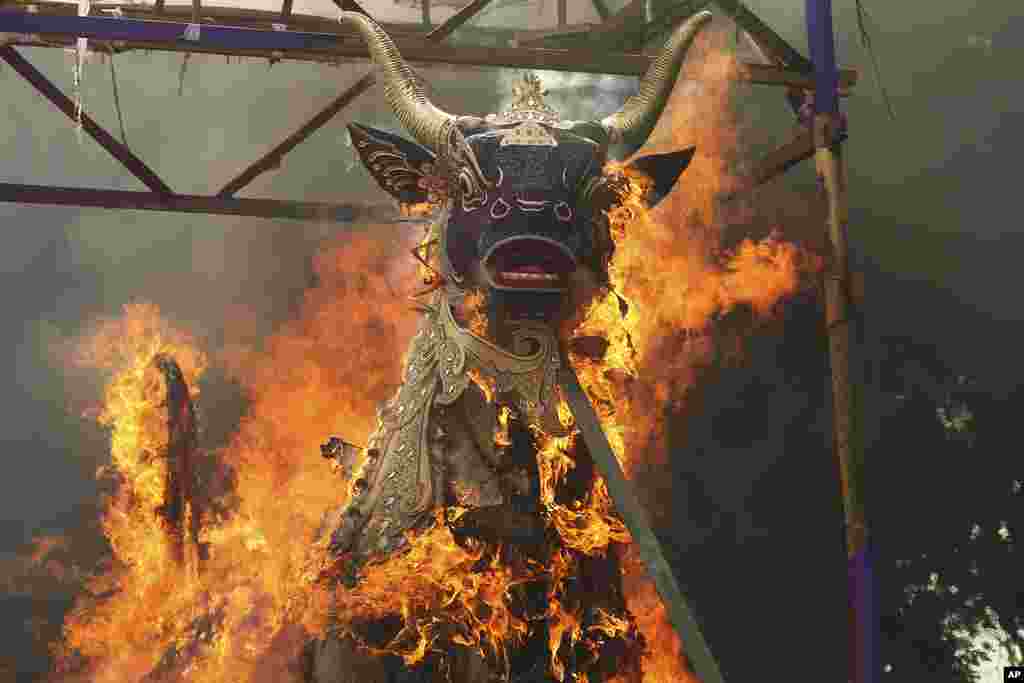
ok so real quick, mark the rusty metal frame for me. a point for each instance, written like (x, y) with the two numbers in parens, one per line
(787, 68)
(161, 197)
(272, 159)
(190, 203)
(116, 149)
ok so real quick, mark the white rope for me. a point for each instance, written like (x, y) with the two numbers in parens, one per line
(81, 50)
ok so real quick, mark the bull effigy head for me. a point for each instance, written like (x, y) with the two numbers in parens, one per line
(525, 192)
(525, 197)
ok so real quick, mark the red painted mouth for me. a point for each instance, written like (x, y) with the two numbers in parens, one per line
(529, 263)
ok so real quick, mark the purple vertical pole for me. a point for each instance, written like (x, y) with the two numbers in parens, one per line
(823, 55)
(864, 626)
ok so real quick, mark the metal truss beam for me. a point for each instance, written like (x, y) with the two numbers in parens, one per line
(121, 34)
(116, 149)
(188, 203)
(779, 161)
(286, 10)
(272, 159)
(632, 12)
(456, 21)
(767, 39)
(635, 35)
(214, 14)
(128, 34)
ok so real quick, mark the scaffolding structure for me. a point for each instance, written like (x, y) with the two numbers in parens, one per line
(117, 28)
(613, 46)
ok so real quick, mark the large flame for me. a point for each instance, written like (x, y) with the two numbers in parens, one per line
(145, 614)
(142, 599)
(440, 586)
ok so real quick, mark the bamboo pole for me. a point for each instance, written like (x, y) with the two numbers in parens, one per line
(620, 64)
(635, 518)
(831, 170)
(863, 629)
(846, 437)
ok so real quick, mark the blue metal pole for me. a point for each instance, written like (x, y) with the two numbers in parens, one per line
(823, 55)
(141, 30)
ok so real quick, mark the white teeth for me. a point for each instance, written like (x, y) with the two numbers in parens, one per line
(530, 277)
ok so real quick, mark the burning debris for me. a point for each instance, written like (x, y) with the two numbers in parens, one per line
(342, 455)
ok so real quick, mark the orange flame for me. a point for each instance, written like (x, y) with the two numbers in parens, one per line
(151, 596)
(474, 309)
(350, 333)
(438, 584)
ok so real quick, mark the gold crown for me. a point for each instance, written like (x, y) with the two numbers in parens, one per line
(528, 103)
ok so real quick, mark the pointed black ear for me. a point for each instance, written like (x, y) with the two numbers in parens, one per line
(663, 169)
(395, 163)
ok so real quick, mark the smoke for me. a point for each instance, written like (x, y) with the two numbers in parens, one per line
(575, 97)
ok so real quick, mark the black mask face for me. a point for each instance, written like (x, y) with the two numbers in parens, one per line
(541, 217)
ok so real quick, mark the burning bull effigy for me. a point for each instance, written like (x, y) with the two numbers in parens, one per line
(476, 535)
(522, 238)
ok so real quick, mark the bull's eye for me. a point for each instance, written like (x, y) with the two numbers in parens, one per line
(472, 196)
(470, 203)
(500, 209)
(563, 212)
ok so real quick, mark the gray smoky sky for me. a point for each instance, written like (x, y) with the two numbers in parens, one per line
(933, 198)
